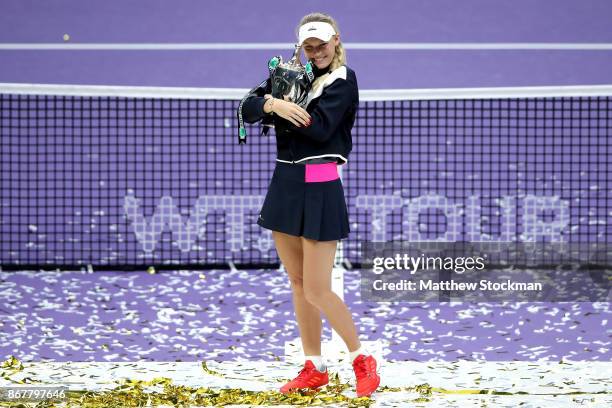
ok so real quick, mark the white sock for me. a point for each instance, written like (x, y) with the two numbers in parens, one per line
(361, 350)
(318, 362)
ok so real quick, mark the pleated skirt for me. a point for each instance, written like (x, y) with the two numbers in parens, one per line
(315, 210)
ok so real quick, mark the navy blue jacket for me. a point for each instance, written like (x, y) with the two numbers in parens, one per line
(332, 107)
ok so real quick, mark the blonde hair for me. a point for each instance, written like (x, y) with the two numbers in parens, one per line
(340, 56)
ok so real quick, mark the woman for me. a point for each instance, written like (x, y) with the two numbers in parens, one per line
(305, 206)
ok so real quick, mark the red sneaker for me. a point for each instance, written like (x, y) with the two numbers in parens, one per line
(368, 379)
(309, 377)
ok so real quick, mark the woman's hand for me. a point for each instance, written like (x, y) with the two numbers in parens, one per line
(287, 110)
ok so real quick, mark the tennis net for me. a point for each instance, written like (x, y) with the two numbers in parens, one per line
(122, 177)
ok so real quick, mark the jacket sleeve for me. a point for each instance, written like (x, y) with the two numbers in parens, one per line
(336, 99)
(250, 110)
(252, 107)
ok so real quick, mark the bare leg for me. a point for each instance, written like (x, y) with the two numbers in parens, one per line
(289, 249)
(317, 269)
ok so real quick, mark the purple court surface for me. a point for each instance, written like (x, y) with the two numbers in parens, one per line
(247, 314)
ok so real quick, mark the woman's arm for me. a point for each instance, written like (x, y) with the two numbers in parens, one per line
(259, 104)
(253, 105)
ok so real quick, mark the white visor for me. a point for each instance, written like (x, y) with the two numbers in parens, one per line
(317, 29)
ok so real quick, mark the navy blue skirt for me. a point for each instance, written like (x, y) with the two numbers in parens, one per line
(314, 210)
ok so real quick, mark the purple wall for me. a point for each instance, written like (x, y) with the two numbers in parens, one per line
(360, 21)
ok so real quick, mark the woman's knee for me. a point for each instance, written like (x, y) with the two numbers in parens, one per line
(316, 296)
(297, 283)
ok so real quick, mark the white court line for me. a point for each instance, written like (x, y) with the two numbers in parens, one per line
(364, 94)
(282, 46)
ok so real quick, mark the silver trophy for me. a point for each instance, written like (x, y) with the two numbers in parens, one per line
(291, 80)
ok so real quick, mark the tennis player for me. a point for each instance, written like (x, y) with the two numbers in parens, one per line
(305, 206)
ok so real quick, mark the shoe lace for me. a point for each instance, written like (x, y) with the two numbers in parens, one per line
(360, 368)
(303, 373)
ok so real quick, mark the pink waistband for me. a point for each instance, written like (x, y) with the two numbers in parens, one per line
(316, 173)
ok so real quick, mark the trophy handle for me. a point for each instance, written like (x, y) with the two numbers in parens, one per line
(308, 71)
(296, 59)
(273, 63)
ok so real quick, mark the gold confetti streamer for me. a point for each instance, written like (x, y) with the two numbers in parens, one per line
(162, 391)
(12, 366)
(209, 371)
(12, 363)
